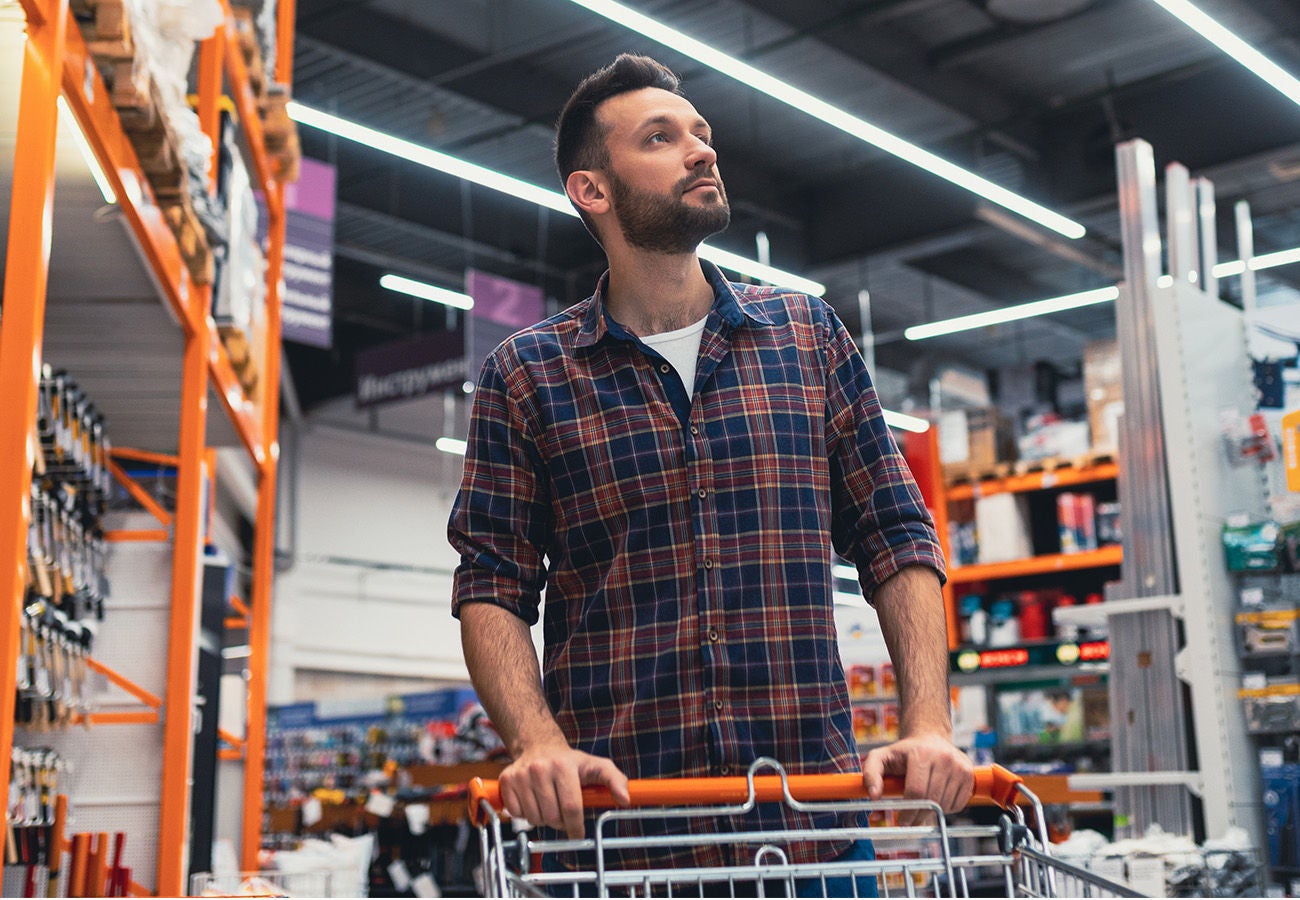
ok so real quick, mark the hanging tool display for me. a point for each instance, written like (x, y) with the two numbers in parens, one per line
(66, 555)
(34, 810)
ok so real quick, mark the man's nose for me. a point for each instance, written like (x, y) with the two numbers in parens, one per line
(701, 154)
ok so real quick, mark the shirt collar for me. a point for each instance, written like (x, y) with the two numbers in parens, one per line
(731, 304)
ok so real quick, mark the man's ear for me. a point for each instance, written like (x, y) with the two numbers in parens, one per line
(588, 191)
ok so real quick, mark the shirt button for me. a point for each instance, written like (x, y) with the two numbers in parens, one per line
(724, 770)
(717, 704)
(695, 430)
(708, 564)
(703, 493)
(665, 368)
(713, 635)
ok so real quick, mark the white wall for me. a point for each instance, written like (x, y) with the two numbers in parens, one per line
(369, 588)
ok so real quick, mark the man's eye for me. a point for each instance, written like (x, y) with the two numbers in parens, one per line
(657, 137)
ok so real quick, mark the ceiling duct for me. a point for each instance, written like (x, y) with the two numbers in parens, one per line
(1034, 12)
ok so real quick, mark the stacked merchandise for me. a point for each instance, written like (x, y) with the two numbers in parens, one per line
(395, 769)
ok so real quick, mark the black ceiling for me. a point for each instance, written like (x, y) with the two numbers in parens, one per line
(1036, 106)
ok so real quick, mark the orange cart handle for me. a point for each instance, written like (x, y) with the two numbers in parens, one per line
(993, 784)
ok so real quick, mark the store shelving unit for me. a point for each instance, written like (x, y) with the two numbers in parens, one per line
(172, 336)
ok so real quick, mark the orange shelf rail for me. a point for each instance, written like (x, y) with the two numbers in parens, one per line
(1038, 565)
(56, 62)
(1035, 481)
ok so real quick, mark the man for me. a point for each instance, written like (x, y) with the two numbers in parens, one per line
(674, 459)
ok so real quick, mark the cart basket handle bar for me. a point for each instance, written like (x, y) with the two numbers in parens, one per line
(993, 785)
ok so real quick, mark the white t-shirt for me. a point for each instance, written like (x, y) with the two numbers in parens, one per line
(682, 349)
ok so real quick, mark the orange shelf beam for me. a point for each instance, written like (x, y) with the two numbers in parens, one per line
(1034, 481)
(146, 697)
(146, 456)
(142, 536)
(118, 718)
(139, 494)
(1038, 565)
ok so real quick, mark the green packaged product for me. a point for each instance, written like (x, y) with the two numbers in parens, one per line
(1253, 546)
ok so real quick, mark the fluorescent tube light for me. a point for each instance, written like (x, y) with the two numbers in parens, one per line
(847, 122)
(1234, 46)
(1263, 261)
(426, 291)
(451, 445)
(906, 422)
(848, 573)
(83, 145)
(1011, 313)
(515, 187)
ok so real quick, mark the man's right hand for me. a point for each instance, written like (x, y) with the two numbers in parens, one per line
(544, 786)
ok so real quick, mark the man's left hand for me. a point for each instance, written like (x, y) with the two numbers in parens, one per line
(933, 769)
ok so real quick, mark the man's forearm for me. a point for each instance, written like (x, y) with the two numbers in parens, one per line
(502, 663)
(910, 607)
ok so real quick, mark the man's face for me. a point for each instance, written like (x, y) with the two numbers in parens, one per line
(664, 185)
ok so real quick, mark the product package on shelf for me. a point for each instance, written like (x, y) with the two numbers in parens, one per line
(1103, 386)
(973, 442)
(1002, 524)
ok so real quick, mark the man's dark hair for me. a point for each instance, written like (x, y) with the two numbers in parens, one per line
(579, 139)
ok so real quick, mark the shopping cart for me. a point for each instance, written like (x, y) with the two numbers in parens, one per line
(933, 859)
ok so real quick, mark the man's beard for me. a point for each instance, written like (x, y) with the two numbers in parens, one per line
(667, 224)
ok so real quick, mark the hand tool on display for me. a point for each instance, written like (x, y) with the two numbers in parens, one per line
(54, 855)
(77, 865)
(97, 867)
(116, 874)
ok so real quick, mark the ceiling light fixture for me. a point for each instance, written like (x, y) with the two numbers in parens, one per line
(1223, 38)
(451, 445)
(1011, 313)
(515, 187)
(426, 291)
(906, 422)
(83, 145)
(1085, 298)
(847, 122)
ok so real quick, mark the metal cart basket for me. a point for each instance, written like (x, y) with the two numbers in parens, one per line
(933, 859)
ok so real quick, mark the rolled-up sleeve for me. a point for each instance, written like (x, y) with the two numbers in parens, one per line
(500, 520)
(880, 522)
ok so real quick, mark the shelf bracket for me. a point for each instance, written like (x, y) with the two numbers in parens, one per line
(1100, 781)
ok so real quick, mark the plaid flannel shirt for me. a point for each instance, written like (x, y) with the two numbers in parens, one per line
(685, 542)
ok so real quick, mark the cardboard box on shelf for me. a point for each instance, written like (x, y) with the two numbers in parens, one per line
(1103, 386)
(974, 439)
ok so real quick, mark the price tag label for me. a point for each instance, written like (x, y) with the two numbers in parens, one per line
(1254, 681)
(380, 805)
(1252, 596)
(311, 812)
(425, 886)
(417, 817)
(400, 874)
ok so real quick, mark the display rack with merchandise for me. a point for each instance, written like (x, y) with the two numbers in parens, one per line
(119, 294)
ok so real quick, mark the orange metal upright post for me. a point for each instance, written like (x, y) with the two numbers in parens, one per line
(259, 626)
(922, 454)
(178, 733)
(22, 330)
(259, 631)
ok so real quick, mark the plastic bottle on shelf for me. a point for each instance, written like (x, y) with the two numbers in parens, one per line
(1004, 627)
(974, 620)
(1033, 616)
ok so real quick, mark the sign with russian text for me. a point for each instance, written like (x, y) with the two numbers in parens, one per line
(307, 312)
(405, 370)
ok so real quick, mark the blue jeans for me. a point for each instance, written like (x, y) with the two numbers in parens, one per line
(843, 886)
